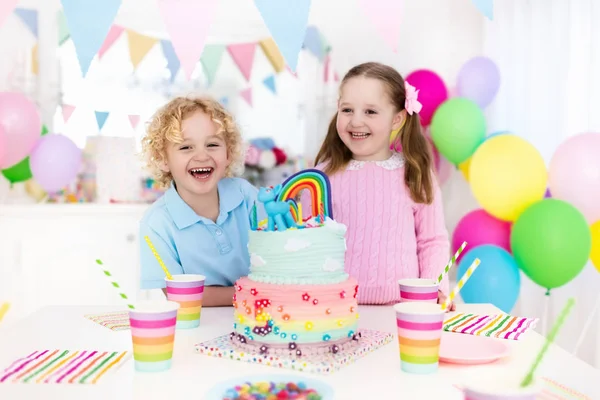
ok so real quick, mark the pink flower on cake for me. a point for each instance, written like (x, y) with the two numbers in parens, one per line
(253, 292)
(315, 302)
(343, 294)
(238, 287)
(305, 297)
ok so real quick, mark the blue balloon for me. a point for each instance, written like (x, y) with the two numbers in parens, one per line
(497, 280)
(496, 134)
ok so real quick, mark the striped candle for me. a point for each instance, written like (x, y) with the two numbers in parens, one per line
(153, 335)
(419, 290)
(187, 291)
(419, 335)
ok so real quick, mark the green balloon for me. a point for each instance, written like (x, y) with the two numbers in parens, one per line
(551, 242)
(21, 172)
(457, 129)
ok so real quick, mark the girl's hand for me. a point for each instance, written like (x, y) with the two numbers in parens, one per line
(442, 297)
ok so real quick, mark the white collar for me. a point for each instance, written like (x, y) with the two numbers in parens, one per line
(396, 161)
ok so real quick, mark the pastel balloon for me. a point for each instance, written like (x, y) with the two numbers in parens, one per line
(21, 172)
(479, 81)
(479, 228)
(574, 174)
(21, 122)
(55, 162)
(507, 175)
(465, 165)
(3, 145)
(432, 92)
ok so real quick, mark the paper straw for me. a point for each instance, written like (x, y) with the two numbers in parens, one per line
(461, 283)
(160, 261)
(4, 309)
(451, 262)
(549, 339)
(114, 284)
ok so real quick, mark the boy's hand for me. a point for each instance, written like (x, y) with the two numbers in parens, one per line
(442, 297)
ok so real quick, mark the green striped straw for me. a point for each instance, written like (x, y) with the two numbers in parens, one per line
(451, 262)
(114, 284)
(551, 336)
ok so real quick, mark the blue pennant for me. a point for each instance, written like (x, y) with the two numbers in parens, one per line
(313, 43)
(101, 117)
(269, 82)
(486, 7)
(173, 62)
(30, 18)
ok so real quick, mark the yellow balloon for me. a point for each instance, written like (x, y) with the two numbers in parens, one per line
(507, 175)
(595, 255)
(464, 168)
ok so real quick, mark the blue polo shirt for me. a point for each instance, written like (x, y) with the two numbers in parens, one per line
(191, 244)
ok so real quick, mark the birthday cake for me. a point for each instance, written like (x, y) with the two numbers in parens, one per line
(297, 299)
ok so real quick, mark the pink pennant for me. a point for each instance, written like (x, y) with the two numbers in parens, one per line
(67, 111)
(188, 23)
(114, 33)
(243, 56)
(247, 95)
(326, 68)
(6, 7)
(134, 120)
(336, 77)
(385, 17)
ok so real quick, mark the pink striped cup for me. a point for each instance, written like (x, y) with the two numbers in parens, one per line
(485, 385)
(421, 290)
(187, 290)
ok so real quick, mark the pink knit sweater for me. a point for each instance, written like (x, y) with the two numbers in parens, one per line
(389, 237)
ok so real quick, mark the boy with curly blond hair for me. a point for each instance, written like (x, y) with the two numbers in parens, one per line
(200, 225)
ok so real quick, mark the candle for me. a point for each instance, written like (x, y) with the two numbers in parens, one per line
(300, 213)
(254, 221)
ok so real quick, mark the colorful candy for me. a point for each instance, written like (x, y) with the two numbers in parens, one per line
(317, 184)
(272, 391)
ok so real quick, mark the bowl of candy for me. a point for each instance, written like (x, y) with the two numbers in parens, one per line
(271, 387)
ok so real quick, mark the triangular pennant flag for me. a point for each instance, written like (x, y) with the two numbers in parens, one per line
(269, 82)
(139, 46)
(312, 42)
(113, 34)
(211, 58)
(486, 7)
(243, 56)
(30, 18)
(63, 29)
(35, 65)
(290, 71)
(173, 63)
(336, 77)
(247, 95)
(6, 7)
(89, 23)
(384, 16)
(325, 44)
(188, 23)
(326, 68)
(287, 22)
(134, 120)
(269, 47)
(67, 111)
(101, 117)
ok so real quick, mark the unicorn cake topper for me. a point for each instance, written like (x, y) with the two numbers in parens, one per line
(280, 204)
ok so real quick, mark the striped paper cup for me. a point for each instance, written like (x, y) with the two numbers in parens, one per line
(186, 290)
(153, 335)
(483, 385)
(420, 290)
(419, 335)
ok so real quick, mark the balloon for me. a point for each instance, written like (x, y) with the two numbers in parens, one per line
(551, 242)
(21, 122)
(34, 190)
(432, 92)
(3, 144)
(457, 128)
(479, 80)
(507, 175)
(479, 228)
(574, 174)
(497, 279)
(595, 254)
(55, 162)
(465, 165)
(21, 171)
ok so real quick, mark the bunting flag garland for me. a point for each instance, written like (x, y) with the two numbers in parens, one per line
(29, 18)
(486, 7)
(246, 94)
(384, 15)
(269, 82)
(243, 56)
(271, 51)
(313, 43)
(35, 65)
(188, 23)
(134, 120)
(211, 59)
(6, 8)
(67, 111)
(113, 34)
(290, 71)
(89, 23)
(139, 46)
(326, 67)
(173, 63)
(63, 29)
(101, 117)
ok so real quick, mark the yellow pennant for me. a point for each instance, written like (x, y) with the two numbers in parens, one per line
(272, 52)
(139, 46)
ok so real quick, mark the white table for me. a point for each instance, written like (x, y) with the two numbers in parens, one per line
(375, 376)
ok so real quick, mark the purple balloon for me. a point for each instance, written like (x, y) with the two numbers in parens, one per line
(55, 162)
(548, 195)
(479, 81)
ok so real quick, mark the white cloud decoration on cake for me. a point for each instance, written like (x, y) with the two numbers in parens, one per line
(294, 244)
(257, 261)
(331, 265)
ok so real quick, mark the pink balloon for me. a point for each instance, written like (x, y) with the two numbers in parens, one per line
(478, 228)
(432, 92)
(574, 174)
(22, 125)
(3, 145)
(55, 162)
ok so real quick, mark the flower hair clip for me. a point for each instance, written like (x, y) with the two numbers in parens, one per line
(411, 103)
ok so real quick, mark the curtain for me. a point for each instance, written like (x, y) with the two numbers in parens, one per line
(548, 52)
